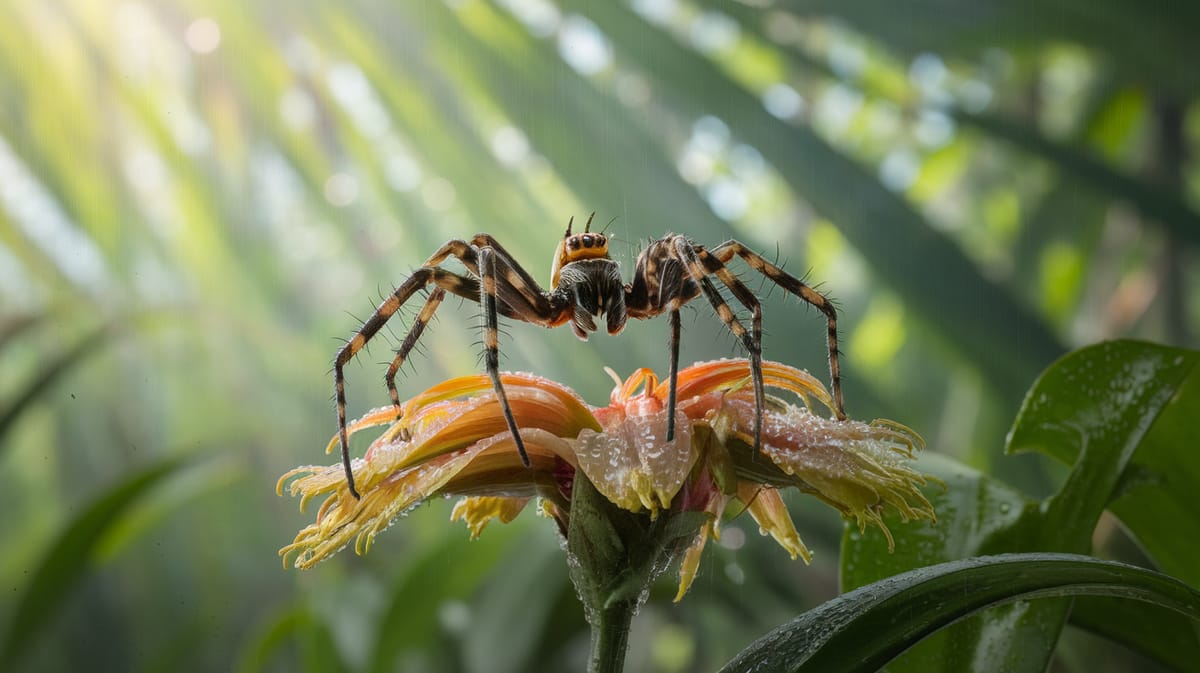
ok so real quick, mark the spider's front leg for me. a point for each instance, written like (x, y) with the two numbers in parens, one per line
(491, 342)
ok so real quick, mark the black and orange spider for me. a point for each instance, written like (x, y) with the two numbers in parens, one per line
(585, 285)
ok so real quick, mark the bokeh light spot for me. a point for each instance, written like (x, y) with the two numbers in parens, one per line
(438, 194)
(203, 36)
(341, 189)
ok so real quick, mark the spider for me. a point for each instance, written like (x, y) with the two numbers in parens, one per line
(585, 285)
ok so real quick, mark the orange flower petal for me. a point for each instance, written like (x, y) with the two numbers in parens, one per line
(731, 375)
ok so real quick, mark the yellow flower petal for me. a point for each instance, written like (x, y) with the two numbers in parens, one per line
(771, 514)
(690, 564)
(470, 471)
(478, 511)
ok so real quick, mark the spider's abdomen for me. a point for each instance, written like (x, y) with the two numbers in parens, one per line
(661, 280)
(593, 287)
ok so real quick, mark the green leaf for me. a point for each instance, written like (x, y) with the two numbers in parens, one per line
(1153, 631)
(1124, 414)
(56, 366)
(1128, 404)
(977, 515)
(66, 561)
(866, 628)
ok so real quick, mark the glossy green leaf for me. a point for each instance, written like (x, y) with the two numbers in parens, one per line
(866, 628)
(977, 516)
(1132, 392)
(1124, 414)
(1153, 631)
(67, 560)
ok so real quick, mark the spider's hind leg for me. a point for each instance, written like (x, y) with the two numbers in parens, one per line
(790, 283)
(701, 265)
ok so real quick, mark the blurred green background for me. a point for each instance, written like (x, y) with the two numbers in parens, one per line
(199, 199)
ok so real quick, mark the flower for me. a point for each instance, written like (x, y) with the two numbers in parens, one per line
(452, 440)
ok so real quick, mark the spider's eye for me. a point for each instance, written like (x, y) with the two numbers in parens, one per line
(600, 241)
(587, 240)
(573, 243)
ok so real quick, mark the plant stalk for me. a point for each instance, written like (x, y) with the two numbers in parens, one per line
(610, 637)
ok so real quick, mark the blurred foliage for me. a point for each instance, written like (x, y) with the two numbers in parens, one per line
(194, 195)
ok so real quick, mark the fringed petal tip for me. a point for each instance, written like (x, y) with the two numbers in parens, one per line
(478, 511)
(445, 442)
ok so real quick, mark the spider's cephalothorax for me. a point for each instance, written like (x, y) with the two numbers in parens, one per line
(588, 282)
(585, 285)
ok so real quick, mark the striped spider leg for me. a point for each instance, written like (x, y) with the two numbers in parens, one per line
(672, 271)
(726, 251)
(585, 283)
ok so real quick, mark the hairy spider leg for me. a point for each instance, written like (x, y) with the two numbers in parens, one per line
(691, 254)
(491, 343)
(672, 372)
(519, 294)
(520, 297)
(410, 341)
(420, 279)
(667, 275)
(790, 283)
(660, 285)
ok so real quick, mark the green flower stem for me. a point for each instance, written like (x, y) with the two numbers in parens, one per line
(610, 637)
(615, 555)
